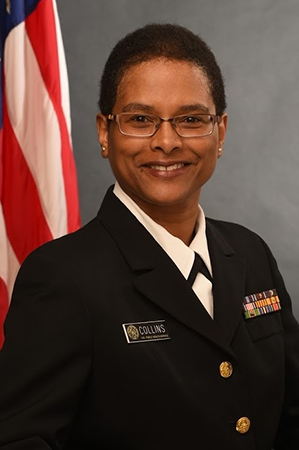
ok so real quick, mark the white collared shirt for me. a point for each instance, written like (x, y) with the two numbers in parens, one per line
(176, 249)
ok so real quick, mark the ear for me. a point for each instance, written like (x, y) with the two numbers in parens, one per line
(102, 129)
(222, 126)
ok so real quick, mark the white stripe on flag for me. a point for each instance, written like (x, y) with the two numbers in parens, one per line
(9, 264)
(65, 100)
(36, 127)
(13, 268)
(3, 248)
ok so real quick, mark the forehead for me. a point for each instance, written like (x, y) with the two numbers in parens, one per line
(161, 82)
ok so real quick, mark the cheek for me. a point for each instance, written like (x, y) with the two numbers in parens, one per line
(210, 159)
(126, 151)
(209, 153)
(122, 161)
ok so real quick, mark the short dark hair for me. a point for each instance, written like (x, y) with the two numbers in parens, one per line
(152, 41)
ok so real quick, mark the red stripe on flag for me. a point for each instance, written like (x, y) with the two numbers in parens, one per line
(26, 226)
(41, 30)
(3, 308)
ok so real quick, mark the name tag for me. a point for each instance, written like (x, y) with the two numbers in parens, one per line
(146, 331)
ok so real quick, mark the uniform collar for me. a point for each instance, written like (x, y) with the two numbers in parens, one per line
(177, 250)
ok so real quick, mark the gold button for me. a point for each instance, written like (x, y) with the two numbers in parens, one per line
(225, 369)
(243, 425)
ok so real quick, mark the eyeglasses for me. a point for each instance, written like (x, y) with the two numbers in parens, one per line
(146, 125)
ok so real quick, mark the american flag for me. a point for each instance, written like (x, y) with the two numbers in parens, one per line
(38, 185)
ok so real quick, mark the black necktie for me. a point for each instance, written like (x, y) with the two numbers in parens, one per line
(198, 266)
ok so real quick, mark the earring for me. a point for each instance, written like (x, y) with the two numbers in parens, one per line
(219, 150)
(103, 151)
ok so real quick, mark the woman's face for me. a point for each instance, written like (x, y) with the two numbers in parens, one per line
(163, 171)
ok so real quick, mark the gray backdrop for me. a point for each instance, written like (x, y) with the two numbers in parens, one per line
(256, 43)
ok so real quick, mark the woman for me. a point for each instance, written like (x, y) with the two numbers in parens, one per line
(114, 338)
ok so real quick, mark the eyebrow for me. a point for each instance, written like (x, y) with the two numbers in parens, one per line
(195, 107)
(137, 106)
(185, 108)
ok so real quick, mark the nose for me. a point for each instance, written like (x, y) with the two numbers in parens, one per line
(166, 138)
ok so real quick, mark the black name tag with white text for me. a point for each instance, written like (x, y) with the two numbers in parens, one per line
(155, 330)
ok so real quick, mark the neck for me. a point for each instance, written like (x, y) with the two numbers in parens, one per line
(180, 222)
(179, 219)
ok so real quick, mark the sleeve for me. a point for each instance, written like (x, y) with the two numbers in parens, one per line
(46, 357)
(287, 437)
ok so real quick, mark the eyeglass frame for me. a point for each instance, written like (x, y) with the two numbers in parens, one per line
(171, 120)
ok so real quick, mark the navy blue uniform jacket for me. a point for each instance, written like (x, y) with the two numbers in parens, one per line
(70, 380)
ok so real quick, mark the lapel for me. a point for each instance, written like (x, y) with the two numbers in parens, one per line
(228, 282)
(160, 281)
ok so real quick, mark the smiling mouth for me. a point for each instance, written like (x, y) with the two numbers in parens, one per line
(167, 168)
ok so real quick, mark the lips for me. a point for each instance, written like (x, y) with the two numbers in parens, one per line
(165, 169)
(169, 168)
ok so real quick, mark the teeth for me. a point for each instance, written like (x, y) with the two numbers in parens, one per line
(167, 168)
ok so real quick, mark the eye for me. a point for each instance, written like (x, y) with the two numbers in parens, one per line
(197, 119)
(139, 121)
(194, 121)
(139, 118)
